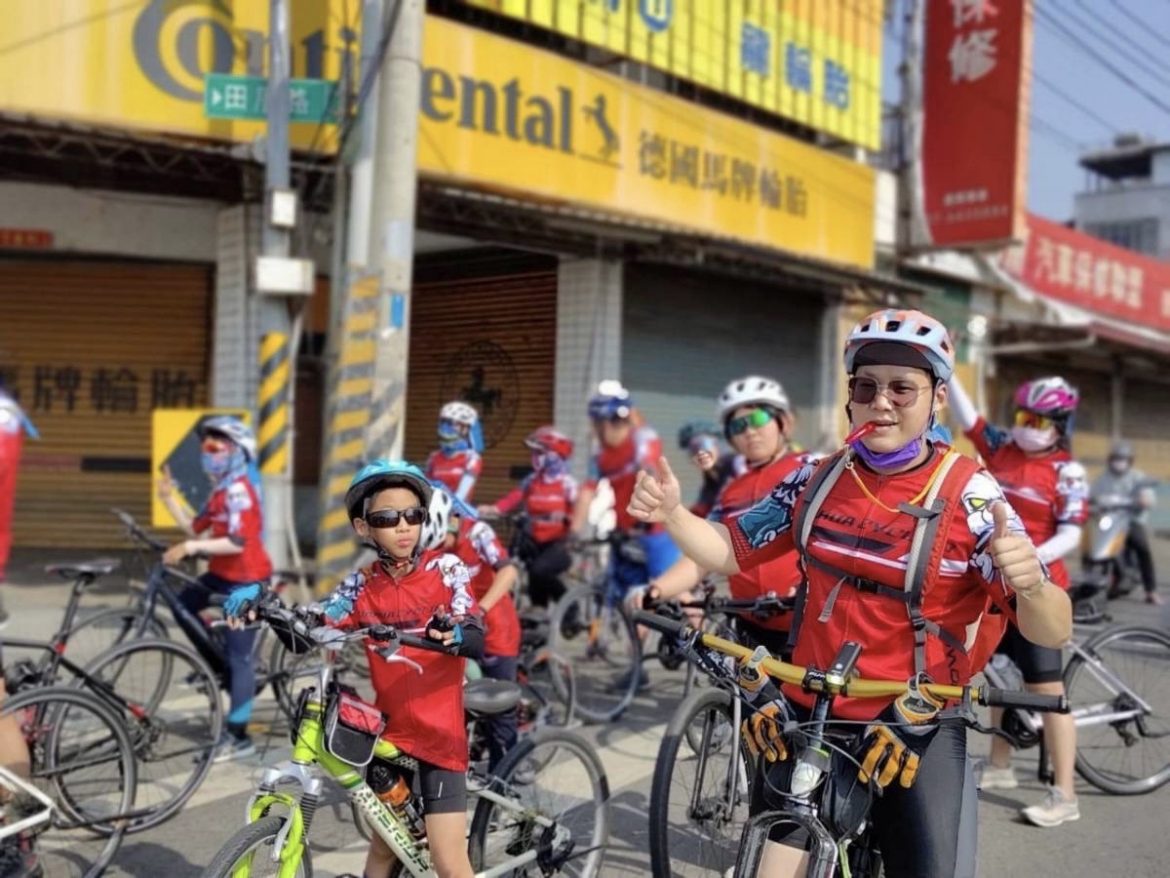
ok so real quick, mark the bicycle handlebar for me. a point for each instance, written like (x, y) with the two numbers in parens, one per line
(138, 532)
(814, 680)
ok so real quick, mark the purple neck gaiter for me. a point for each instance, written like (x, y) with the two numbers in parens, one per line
(888, 459)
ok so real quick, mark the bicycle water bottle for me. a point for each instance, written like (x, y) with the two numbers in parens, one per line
(1008, 672)
(391, 787)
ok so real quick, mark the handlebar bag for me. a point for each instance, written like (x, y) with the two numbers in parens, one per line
(352, 728)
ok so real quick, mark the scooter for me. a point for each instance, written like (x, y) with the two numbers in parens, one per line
(1105, 563)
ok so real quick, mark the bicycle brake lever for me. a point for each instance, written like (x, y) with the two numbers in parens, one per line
(390, 656)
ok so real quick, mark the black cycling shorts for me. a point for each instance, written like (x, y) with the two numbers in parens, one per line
(927, 831)
(1038, 664)
(443, 791)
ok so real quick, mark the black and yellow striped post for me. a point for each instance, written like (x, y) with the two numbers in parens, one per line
(272, 435)
(351, 385)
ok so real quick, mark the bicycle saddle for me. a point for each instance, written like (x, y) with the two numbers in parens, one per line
(486, 697)
(88, 570)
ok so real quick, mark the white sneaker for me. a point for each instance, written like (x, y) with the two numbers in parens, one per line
(989, 777)
(1053, 811)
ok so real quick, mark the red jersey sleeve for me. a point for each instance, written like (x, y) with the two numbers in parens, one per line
(511, 500)
(988, 439)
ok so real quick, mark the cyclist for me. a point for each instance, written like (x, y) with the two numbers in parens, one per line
(18, 857)
(906, 591)
(547, 496)
(454, 527)
(1121, 479)
(1047, 487)
(13, 425)
(457, 462)
(239, 566)
(388, 504)
(758, 422)
(701, 440)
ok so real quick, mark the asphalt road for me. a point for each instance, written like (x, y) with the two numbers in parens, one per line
(1116, 835)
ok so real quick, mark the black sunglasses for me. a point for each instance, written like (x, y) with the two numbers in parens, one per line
(390, 517)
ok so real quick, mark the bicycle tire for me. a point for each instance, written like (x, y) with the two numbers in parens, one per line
(514, 776)
(716, 850)
(238, 849)
(119, 622)
(1111, 756)
(47, 717)
(169, 700)
(605, 682)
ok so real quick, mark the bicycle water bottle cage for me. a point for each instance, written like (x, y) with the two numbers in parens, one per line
(352, 728)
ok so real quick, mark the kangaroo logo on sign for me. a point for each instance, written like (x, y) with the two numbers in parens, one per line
(483, 374)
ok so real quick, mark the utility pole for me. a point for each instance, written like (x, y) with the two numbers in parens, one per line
(391, 241)
(273, 432)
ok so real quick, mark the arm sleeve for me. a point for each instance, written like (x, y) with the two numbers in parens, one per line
(764, 531)
(1071, 504)
(1064, 541)
(511, 500)
(962, 405)
(981, 493)
(592, 474)
(487, 545)
(470, 477)
(337, 606)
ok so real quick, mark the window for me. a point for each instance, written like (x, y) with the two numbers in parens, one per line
(1140, 236)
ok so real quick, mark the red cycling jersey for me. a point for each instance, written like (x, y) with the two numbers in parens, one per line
(548, 503)
(477, 546)
(1047, 490)
(781, 575)
(458, 472)
(424, 711)
(619, 466)
(858, 547)
(233, 511)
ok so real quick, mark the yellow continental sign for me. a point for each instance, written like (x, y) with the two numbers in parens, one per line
(816, 61)
(501, 115)
(141, 64)
(175, 449)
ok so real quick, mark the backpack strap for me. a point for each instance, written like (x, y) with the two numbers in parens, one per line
(816, 491)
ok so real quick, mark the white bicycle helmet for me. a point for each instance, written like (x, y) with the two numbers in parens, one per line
(234, 429)
(913, 328)
(443, 505)
(459, 412)
(752, 390)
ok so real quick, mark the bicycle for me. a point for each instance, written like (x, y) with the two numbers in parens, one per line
(1118, 686)
(822, 793)
(81, 761)
(714, 778)
(507, 833)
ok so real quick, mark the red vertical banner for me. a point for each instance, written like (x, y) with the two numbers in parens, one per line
(975, 94)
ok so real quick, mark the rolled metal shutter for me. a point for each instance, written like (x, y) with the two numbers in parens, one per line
(490, 340)
(91, 348)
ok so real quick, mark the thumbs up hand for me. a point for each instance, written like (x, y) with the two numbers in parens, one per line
(1014, 555)
(655, 497)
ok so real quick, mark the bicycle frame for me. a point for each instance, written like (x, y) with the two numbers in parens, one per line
(14, 784)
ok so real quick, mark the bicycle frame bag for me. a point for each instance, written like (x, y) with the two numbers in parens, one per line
(352, 728)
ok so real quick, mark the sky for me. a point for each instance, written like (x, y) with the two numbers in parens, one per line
(1060, 131)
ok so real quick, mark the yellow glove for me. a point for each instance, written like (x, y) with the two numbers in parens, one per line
(763, 731)
(895, 743)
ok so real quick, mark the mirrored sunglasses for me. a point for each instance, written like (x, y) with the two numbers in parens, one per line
(1026, 418)
(755, 418)
(414, 515)
(900, 392)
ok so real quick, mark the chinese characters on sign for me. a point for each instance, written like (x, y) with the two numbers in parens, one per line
(683, 164)
(25, 239)
(65, 389)
(972, 53)
(1079, 269)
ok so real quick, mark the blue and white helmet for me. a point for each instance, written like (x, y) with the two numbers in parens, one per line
(377, 475)
(611, 401)
(235, 430)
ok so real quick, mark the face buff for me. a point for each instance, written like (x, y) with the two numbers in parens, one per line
(1032, 439)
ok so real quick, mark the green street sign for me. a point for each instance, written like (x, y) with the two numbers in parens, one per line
(227, 96)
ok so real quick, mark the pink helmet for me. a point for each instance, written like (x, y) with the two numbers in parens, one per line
(1051, 397)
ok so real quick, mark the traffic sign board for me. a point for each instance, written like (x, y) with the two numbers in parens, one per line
(227, 96)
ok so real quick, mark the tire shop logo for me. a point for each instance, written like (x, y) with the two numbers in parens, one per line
(482, 373)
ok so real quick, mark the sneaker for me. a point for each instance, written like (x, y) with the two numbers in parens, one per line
(231, 748)
(1053, 811)
(623, 682)
(990, 777)
(1152, 597)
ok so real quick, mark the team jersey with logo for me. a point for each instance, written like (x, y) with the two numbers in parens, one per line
(548, 504)
(855, 538)
(1047, 491)
(619, 466)
(233, 511)
(458, 472)
(424, 711)
(478, 547)
(781, 575)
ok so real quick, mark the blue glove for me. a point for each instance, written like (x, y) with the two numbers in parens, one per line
(241, 600)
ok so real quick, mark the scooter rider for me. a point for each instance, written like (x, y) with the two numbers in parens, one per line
(1121, 479)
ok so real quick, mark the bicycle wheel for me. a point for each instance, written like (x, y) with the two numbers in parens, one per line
(543, 703)
(1130, 754)
(571, 791)
(699, 794)
(169, 701)
(249, 852)
(93, 635)
(80, 756)
(601, 645)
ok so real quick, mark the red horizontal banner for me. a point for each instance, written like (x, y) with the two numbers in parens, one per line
(1076, 268)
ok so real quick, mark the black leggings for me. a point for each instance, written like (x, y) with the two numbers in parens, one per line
(927, 831)
(1138, 542)
(546, 562)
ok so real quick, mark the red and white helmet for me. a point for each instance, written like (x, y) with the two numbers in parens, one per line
(920, 331)
(1051, 397)
(550, 439)
(459, 412)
